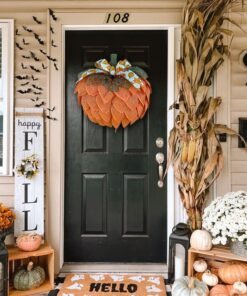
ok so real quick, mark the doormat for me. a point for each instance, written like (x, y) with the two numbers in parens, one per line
(112, 284)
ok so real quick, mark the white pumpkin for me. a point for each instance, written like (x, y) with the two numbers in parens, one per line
(201, 240)
(240, 287)
(210, 279)
(200, 265)
(187, 286)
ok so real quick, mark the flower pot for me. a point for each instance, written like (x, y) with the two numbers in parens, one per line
(4, 233)
(238, 248)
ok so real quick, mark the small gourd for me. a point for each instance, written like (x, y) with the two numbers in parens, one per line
(29, 241)
(240, 287)
(189, 286)
(201, 240)
(29, 278)
(200, 265)
(210, 279)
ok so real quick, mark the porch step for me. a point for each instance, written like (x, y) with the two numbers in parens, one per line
(147, 268)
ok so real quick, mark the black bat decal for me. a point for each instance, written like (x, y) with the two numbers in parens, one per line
(37, 87)
(27, 29)
(24, 84)
(35, 69)
(52, 30)
(24, 42)
(17, 32)
(37, 37)
(44, 67)
(39, 105)
(34, 79)
(36, 20)
(33, 56)
(51, 109)
(55, 66)
(51, 118)
(26, 57)
(42, 51)
(52, 14)
(35, 100)
(53, 44)
(20, 77)
(37, 93)
(18, 46)
(51, 59)
(25, 91)
(23, 67)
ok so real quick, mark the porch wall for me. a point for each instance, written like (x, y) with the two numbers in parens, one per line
(238, 103)
(7, 188)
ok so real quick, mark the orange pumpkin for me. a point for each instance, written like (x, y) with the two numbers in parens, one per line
(220, 290)
(198, 275)
(112, 101)
(233, 271)
(223, 290)
(29, 242)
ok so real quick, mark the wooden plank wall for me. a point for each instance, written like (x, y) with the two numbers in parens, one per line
(238, 102)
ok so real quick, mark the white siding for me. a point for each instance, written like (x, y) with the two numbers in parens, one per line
(238, 103)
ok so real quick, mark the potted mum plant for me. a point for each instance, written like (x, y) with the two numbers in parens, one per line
(7, 218)
(226, 219)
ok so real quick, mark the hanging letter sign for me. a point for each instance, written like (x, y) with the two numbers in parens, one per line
(29, 173)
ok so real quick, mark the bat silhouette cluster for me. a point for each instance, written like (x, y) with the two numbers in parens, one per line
(29, 83)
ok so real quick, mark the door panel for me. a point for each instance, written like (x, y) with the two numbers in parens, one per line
(114, 211)
(135, 205)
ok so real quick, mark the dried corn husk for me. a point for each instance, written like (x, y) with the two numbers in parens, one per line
(194, 149)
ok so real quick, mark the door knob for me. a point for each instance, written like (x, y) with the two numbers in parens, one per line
(160, 157)
(160, 160)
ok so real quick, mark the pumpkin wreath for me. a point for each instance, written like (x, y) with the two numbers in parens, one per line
(113, 94)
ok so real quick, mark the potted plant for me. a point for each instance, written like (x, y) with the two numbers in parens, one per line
(7, 218)
(226, 219)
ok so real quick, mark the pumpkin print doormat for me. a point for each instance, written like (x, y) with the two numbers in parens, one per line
(112, 284)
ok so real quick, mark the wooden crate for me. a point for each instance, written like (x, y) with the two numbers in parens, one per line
(44, 256)
(215, 257)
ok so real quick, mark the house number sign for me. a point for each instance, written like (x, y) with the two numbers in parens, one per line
(29, 192)
(117, 18)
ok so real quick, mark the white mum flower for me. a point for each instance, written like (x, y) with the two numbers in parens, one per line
(226, 217)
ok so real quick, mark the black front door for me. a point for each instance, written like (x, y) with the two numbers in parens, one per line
(114, 210)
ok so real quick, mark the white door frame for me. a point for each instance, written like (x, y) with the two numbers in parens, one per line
(56, 130)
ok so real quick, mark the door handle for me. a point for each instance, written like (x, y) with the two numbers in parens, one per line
(160, 160)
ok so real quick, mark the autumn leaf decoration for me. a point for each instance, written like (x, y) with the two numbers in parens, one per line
(113, 94)
(194, 149)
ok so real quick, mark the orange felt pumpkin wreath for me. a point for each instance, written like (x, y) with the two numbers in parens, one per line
(113, 94)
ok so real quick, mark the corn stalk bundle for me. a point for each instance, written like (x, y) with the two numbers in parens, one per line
(194, 149)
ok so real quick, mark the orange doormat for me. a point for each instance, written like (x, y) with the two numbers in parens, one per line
(112, 284)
